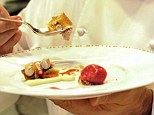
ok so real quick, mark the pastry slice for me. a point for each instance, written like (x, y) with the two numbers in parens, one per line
(59, 23)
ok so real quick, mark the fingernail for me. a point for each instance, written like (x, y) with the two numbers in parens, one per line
(19, 24)
(19, 18)
(94, 101)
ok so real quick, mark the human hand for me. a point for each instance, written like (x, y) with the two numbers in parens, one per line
(9, 32)
(133, 102)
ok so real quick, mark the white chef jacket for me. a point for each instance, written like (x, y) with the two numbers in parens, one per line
(109, 22)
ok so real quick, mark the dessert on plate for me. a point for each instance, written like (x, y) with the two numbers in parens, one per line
(44, 71)
(93, 75)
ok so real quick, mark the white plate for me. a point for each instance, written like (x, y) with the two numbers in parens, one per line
(127, 68)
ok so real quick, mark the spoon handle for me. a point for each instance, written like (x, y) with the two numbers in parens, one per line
(11, 20)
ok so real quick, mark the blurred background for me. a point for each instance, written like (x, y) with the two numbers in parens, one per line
(14, 6)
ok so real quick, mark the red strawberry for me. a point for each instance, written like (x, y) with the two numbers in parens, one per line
(93, 74)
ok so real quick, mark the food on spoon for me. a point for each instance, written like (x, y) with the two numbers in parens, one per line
(61, 22)
(92, 75)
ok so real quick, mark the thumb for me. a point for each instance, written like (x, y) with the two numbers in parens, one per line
(99, 100)
(109, 98)
(94, 101)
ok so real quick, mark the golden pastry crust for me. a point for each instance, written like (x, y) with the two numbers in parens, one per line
(59, 23)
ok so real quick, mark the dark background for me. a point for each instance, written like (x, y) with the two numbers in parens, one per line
(15, 6)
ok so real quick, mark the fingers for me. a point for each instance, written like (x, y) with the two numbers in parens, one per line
(119, 98)
(6, 25)
(94, 101)
(3, 12)
(81, 107)
(9, 32)
(75, 106)
(5, 36)
(8, 46)
(113, 104)
(112, 98)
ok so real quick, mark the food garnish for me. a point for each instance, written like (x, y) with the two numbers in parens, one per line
(35, 82)
(70, 71)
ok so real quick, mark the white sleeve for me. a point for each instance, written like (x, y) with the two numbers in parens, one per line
(7, 100)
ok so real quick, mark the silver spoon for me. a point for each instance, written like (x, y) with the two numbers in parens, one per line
(40, 31)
